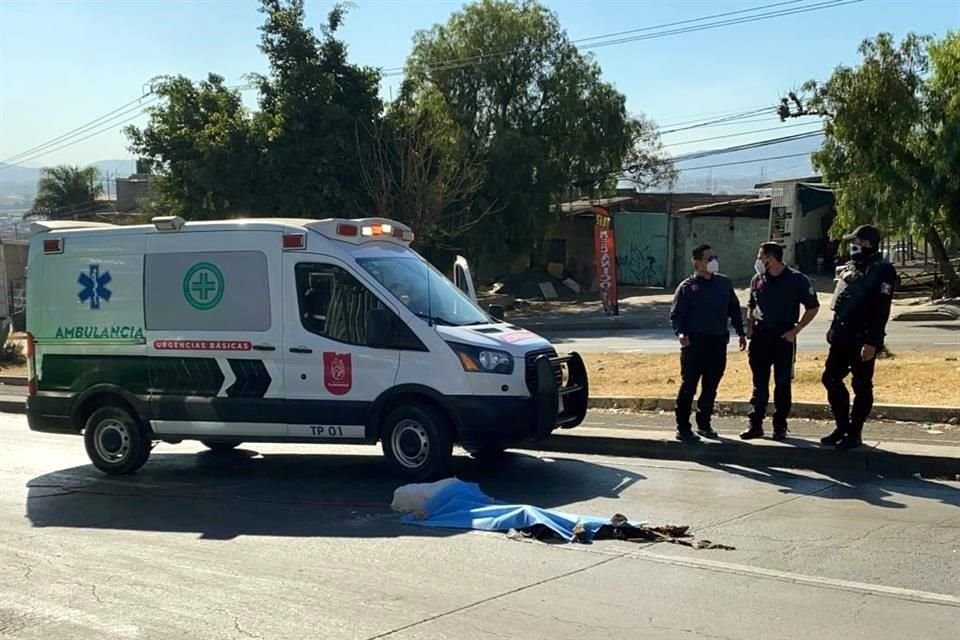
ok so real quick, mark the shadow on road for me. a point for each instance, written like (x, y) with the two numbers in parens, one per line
(222, 496)
(874, 490)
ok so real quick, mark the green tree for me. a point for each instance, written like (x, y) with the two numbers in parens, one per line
(312, 103)
(199, 142)
(296, 155)
(512, 87)
(65, 191)
(892, 145)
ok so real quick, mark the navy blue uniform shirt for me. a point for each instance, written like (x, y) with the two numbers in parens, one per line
(702, 307)
(775, 300)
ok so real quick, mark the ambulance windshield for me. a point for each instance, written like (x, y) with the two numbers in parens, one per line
(424, 290)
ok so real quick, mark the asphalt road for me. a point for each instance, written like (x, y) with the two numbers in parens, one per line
(901, 336)
(297, 542)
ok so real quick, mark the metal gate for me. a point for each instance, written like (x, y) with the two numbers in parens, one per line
(642, 248)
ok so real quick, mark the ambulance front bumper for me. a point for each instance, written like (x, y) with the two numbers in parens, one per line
(559, 392)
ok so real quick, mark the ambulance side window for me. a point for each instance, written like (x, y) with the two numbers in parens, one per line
(333, 303)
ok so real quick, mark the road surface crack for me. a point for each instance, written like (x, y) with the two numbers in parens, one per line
(482, 601)
(241, 630)
(693, 632)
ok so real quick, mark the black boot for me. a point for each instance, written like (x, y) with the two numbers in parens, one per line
(834, 438)
(850, 441)
(687, 436)
(780, 433)
(755, 431)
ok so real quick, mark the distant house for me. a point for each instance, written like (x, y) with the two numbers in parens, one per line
(734, 228)
(132, 190)
(802, 210)
(655, 233)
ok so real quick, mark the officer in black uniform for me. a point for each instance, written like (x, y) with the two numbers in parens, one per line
(861, 307)
(776, 293)
(702, 306)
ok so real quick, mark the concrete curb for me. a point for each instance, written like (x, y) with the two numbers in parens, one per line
(798, 454)
(901, 412)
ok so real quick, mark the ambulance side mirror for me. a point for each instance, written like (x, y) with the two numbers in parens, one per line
(379, 328)
(496, 311)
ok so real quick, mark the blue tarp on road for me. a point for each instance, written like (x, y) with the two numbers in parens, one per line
(462, 505)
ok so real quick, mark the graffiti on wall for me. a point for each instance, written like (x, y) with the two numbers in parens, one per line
(639, 266)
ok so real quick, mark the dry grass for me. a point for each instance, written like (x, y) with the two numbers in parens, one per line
(920, 378)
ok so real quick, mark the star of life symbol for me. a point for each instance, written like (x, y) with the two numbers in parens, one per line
(94, 286)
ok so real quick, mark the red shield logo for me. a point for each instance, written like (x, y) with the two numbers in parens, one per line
(337, 373)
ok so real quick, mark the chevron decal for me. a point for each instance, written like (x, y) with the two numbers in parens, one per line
(253, 379)
(185, 376)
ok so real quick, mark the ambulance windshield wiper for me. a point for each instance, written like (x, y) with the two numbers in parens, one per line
(435, 319)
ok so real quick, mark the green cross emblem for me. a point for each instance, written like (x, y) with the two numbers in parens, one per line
(203, 286)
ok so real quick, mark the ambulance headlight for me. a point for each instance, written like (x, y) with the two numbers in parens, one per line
(480, 360)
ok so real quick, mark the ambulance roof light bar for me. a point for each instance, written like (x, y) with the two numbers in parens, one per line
(364, 229)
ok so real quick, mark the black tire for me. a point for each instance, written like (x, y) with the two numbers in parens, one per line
(417, 442)
(221, 446)
(116, 441)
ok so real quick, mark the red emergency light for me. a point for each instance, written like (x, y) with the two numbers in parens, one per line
(294, 241)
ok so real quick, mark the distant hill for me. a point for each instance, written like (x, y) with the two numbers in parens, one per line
(18, 173)
(735, 178)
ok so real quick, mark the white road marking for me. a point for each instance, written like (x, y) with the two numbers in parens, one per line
(914, 595)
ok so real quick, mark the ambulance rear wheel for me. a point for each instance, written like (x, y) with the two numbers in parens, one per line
(116, 442)
(221, 446)
(417, 442)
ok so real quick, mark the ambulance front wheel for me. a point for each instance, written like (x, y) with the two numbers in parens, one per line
(417, 442)
(115, 440)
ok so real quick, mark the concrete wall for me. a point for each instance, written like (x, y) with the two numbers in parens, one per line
(14, 275)
(734, 239)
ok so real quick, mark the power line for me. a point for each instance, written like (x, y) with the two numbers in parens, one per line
(746, 114)
(748, 146)
(79, 129)
(726, 23)
(730, 164)
(470, 60)
(733, 123)
(119, 112)
(78, 140)
(699, 117)
(393, 70)
(744, 133)
(40, 150)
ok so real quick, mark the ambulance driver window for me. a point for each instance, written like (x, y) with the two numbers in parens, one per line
(333, 303)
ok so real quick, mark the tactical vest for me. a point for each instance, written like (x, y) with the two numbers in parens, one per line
(854, 282)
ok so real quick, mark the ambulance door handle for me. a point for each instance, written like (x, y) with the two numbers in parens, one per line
(264, 347)
(300, 350)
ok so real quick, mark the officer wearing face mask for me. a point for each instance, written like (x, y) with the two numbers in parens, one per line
(861, 307)
(776, 293)
(702, 306)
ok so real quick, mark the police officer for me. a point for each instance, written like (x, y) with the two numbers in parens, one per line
(776, 293)
(861, 307)
(702, 306)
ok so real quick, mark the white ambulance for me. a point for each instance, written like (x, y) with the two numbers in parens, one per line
(313, 331)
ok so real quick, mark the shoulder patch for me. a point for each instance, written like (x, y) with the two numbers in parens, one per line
(886, 289)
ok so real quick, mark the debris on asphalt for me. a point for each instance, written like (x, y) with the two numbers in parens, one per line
(454, 504)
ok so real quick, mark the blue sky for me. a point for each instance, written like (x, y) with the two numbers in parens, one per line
(64, 63)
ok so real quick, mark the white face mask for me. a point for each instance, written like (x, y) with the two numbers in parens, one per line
(713, 266)
(759, 267)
